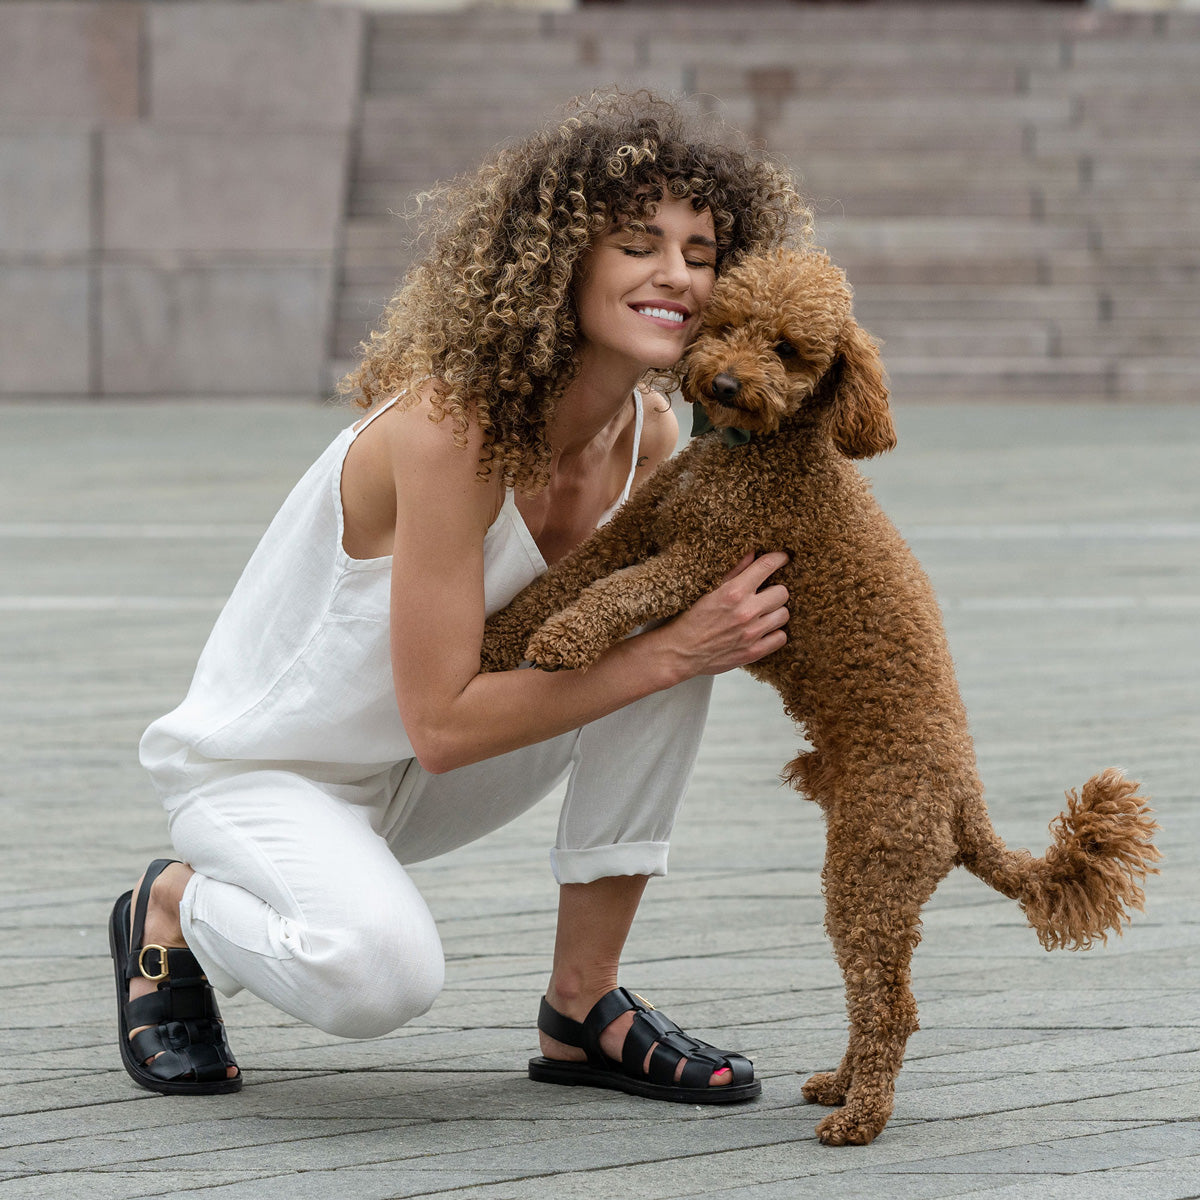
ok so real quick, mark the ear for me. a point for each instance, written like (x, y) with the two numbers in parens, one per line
(862, 422)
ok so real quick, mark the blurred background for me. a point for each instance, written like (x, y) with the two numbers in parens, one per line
(199, 199)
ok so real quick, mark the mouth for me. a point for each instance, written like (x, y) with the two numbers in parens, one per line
(673, 315)
(729, 404)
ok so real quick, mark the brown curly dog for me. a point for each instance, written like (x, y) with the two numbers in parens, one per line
(866, 672)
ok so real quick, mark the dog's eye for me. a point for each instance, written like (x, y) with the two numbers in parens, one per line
(785, 350)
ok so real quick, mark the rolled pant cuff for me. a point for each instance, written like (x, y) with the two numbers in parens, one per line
(600, 862)
(193, 934)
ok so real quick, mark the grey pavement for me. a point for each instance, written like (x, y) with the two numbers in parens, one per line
(1065, 544)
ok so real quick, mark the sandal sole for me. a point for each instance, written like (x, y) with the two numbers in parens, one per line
(569, 1074)
(118, 942)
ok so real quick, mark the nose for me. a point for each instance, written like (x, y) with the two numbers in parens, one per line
(673, 271)
(725, 387)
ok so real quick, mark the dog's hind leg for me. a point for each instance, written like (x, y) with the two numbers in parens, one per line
(876, 883)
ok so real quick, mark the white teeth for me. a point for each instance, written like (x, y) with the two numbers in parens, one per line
(665, 313)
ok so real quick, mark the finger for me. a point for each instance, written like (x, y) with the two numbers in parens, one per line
(769, 622)
(767, 645)
(768, 598)
(762, 568)
(746, 560)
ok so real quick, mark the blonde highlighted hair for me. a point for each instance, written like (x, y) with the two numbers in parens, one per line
(488, 311)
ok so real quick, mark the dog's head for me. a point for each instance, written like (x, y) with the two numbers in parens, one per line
(778, 339)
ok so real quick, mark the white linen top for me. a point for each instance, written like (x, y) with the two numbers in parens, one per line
(297, 669)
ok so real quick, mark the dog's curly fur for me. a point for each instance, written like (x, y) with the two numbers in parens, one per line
(866, 672)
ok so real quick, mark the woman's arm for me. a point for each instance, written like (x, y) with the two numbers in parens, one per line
(454, 715)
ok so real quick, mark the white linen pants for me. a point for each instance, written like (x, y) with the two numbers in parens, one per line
(299, 893)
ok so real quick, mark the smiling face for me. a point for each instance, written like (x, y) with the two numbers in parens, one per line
(640, 292)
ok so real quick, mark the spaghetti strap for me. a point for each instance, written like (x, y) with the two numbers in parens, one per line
(638, 421)
(377, 413)
(639, 416)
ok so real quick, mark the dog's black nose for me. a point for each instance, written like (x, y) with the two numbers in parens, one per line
(725, 386)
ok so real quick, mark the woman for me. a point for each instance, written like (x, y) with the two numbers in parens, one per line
(338, 725)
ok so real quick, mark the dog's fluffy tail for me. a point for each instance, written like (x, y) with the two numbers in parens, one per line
(1090, 878)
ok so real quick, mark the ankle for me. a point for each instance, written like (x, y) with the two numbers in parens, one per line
(574, 992)
(162, 909)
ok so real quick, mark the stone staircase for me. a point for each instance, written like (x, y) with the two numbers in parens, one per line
(1013, 189)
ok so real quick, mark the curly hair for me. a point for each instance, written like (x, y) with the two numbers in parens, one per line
(488, 312)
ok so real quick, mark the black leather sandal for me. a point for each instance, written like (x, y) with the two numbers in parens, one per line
(185, 1028)
(649, 1027)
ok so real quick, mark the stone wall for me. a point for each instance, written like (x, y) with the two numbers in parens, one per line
(172, 188)
(198, 198)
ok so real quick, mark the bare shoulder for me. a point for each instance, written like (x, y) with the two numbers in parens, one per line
(413, 462)
(660, 432)
(419, 443)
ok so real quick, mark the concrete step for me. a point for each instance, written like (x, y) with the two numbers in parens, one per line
(1161, 142)
(903, 64)
(1084, 378)
(926, 22)
(939, 303)
(680, 20)
(382, 114)
(1134, 162)
(1146, 234)
(1035, 340)
(831, 168)
(1068, 304)
(948, 237)
(1174, 338)
(973, 376)
(1151, 56)
(1095, 83)
(975, 166)
(1159, 378)
(905, 338)
(894, 113)
(1148, 200)
(1126, 267)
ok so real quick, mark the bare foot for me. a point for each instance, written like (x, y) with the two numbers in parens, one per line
(162, 928)
(612, 1039)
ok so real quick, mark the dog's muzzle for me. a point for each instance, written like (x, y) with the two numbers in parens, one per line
(724, 387)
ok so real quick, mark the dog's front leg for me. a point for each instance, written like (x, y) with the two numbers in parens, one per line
(627, 538)
(614, 606)
(507, 631)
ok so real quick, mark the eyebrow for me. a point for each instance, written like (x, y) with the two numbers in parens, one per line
(696, 238)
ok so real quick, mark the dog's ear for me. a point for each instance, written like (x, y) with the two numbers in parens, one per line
(862, 422)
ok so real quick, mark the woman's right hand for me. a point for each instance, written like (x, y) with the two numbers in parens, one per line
(738, 623)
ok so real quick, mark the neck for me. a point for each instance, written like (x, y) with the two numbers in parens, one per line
(591, 402)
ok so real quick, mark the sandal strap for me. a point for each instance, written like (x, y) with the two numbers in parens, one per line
(650, 1027)
(175, 1000)
(562, 1029)
(178, 1048)
(141, 907)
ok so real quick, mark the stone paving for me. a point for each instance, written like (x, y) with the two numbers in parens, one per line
(1064, 544)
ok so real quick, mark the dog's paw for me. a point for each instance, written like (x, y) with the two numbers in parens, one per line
(824, 1088)
(559, 645)
(850, 1126)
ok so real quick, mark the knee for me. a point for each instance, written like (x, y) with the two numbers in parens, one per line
(382, 980)
(374, 1014)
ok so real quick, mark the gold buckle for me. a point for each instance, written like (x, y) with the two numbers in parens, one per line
(162, 962)
(646, 1002)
